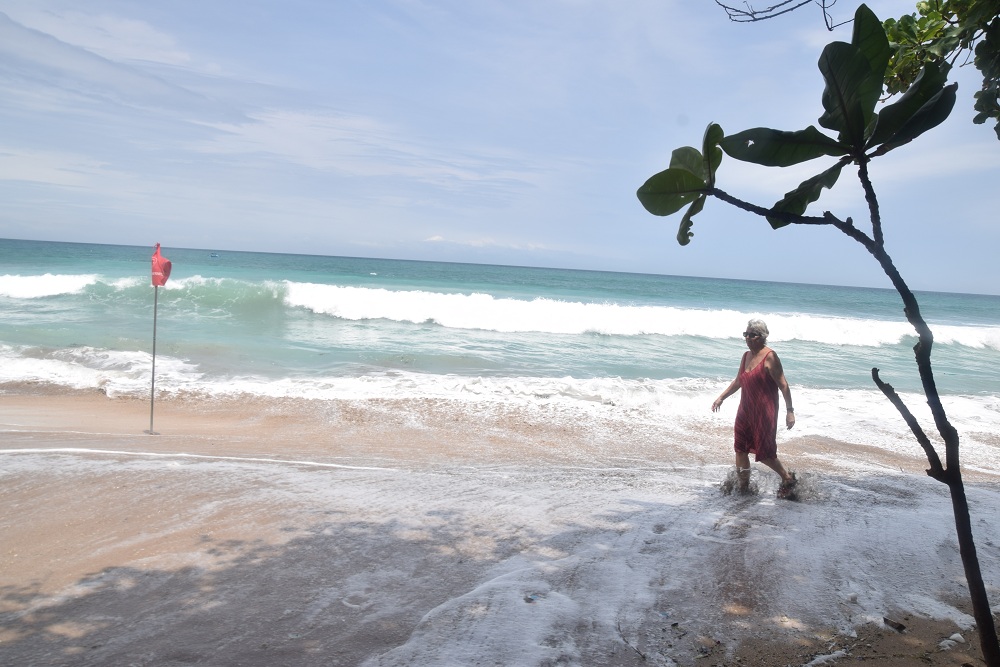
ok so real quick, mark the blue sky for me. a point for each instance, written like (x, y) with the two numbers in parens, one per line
(504, 131)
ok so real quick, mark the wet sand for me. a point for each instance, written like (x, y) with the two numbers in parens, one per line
(335, 533)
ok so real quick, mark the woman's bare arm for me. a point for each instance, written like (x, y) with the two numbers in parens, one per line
(773, 366)
(733, 387)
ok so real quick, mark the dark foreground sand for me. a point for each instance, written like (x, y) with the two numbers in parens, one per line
(333, 534)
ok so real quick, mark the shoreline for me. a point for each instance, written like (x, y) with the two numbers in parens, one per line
(407, 432)
(262, 532)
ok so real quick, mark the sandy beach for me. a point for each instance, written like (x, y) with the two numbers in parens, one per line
(417, 533)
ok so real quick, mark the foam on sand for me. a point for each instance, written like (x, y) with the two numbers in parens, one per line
(203, 546)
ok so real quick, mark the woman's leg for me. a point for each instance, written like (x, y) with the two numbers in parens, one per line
(775, 465)
(743, 469)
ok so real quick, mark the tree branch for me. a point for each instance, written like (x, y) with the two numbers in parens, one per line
(873, 208)
(848, 228)
(790, 218)
(922, 350)
(751, 15)
(935, 471)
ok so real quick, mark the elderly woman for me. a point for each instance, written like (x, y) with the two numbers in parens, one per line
(761, 378)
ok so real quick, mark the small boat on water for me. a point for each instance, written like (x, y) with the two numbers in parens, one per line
(214, 254)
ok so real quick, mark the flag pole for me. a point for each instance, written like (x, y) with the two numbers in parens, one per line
(161, 271)
(152, 381)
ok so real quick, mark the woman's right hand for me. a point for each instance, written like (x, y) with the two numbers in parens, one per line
(716, 405)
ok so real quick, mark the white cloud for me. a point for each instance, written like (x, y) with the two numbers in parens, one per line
(60, 169)
(33, 60)
(938, 158)
(112, 37)
(357, 145)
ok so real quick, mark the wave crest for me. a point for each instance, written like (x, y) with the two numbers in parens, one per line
(35, 287)
(541, 315)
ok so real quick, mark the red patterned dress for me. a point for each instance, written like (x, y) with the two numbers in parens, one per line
(757, 416)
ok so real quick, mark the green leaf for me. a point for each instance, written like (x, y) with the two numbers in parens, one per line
(684, 232)
(797, 201)
(711, 151)
(776, 148)
(851, 93)
(869, 36)
(892, 118)
(670, 190)
(930, 115)
(690, 159)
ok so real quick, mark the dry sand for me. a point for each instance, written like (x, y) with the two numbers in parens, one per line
(117, 550)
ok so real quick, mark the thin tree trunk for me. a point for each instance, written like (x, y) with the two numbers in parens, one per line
(974, 577)
(952, 474)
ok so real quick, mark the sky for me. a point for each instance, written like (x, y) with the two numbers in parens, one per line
(496, 131)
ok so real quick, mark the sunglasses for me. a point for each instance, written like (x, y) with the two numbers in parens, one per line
(748, 334)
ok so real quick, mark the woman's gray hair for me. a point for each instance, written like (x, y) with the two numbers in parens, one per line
(758, 327)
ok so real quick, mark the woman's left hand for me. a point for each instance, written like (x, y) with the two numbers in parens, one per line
(789, 419)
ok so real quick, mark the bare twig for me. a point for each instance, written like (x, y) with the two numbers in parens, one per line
(751, 15)
(627, 643)
(935, 471)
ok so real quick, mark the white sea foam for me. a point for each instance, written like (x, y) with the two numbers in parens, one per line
(115, 372)
(541, 315)
(34, 287)
(681, 406)
(975, 337)
(533, 565)
(479, 311)
(122, 284)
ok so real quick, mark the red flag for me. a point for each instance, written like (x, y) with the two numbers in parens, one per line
(161, 268)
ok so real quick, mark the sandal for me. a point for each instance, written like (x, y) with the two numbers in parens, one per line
(787, 489)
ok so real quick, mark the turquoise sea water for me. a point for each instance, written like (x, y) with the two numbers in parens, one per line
(79, 316)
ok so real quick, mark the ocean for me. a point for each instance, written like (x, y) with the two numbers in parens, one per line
(649, 348)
